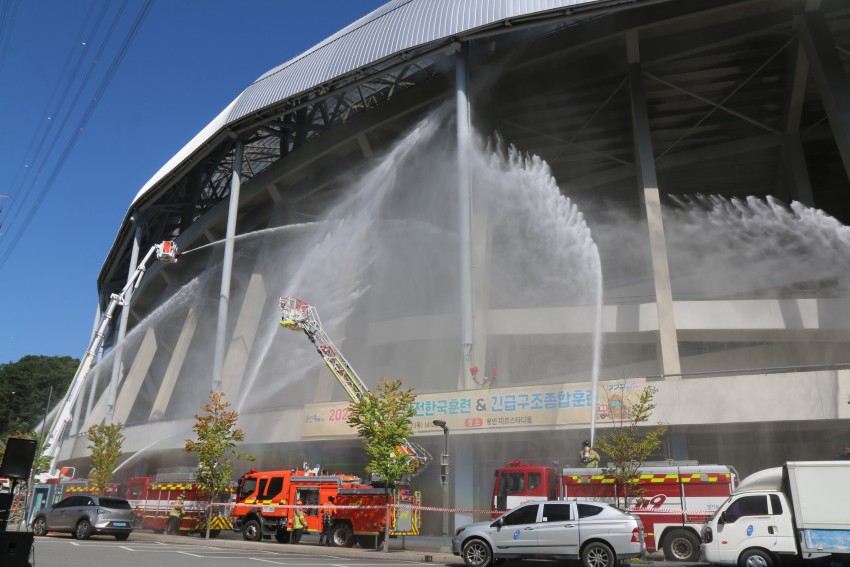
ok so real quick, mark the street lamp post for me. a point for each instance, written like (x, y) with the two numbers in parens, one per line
(444, 480)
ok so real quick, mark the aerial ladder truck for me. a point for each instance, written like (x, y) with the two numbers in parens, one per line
(299, 315)
(167, 253)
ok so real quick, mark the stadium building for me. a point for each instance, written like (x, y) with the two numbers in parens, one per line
(522, 210)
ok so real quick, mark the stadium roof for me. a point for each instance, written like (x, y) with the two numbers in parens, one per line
(398, 26)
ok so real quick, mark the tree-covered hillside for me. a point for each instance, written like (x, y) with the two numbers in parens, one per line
(24, 386)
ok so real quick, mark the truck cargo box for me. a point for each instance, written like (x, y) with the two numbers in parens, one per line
(819, 495)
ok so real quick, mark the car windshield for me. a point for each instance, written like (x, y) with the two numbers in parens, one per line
(116, 503)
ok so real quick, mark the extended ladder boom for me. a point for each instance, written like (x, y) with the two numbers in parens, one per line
(299, 315)
(167, 253)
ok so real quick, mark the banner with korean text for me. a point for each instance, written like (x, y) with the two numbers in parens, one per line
(488, 408)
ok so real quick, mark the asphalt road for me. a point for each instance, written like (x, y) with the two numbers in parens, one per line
(145, 549)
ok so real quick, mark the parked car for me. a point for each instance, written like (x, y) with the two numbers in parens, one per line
(599, 534)
(84, 515)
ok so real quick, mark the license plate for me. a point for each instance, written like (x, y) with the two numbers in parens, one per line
(268, 508)
(119, 524)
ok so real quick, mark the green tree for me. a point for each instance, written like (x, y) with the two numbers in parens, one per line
(217, 436)
(631, 442)
(24, 389)
(105, 443)
(382, 419)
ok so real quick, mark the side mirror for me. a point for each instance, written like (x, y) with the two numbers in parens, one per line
(499, 523)
(721, 519)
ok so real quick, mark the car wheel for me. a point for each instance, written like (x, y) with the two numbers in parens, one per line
(82, 530)
(597, 554)
(39, 527)
(252, 531)
(755, 558)
(681, 545)
(121, 537)
(476, 553)
(341, 535)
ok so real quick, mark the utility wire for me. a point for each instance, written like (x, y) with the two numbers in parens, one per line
(116, 62)
(7, 22)
(53, 110)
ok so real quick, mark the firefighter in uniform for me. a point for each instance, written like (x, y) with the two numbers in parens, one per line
(328, 513)
(588, 456)
(172, 526)
(299, 524)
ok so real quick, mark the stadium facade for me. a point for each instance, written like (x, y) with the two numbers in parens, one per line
(547, 194)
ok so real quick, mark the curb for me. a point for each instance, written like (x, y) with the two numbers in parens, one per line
(421, 556)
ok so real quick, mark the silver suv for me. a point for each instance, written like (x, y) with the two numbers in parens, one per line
(84, 515)
(599, 534)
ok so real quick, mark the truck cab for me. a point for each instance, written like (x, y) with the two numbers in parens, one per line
(749, 528)
(798, 510)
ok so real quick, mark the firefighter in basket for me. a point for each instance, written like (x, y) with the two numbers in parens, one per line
(172, 526)
(588, 456)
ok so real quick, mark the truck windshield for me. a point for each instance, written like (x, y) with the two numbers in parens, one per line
(719, 508)
(246, 487)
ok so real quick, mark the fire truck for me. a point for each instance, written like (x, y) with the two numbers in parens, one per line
(265, 502)
(153, 497)
(298, 315)
(675, 499)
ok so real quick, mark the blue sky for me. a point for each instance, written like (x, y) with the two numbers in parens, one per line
(84, 128)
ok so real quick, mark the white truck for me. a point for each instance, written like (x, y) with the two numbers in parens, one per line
(798, 511)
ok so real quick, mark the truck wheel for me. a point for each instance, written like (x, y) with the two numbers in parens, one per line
(597, 554)
(755, 558)
(681, 545)
(213, 533)
(341, 535)
(252, 531)
(476, 553)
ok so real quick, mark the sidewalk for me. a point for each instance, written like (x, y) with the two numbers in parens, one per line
(423, 549)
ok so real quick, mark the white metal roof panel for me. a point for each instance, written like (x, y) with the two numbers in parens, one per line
(395, 27)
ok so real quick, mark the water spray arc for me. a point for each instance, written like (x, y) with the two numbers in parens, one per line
(298, 315)
(167, 253)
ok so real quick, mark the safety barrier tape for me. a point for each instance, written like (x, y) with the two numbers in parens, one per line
(670, 511)
(456, 510)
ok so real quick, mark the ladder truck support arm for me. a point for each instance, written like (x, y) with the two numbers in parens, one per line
(298, 315)
(167, 253)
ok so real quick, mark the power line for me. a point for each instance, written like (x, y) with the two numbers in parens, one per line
(116, 62)
(31, 166)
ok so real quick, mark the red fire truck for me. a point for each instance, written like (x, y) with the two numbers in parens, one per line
(265, 501)
(153, 497)
(675, 499)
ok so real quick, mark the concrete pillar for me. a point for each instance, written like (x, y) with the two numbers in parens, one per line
(648, 184)
(91, 379)
(462, 478)
(244, 333)
(135, 377)
(117, 362)
(678, 446)
(227, 265)
(175, 364)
